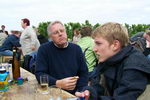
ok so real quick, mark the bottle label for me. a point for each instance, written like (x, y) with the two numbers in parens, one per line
(4, 82)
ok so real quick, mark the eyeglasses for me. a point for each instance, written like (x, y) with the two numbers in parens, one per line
(59, 31)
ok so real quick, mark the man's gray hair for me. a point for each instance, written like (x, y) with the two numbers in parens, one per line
(51, 24)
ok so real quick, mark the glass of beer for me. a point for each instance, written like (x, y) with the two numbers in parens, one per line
(44, 84)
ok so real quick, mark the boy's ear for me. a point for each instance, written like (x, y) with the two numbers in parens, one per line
(116, 45)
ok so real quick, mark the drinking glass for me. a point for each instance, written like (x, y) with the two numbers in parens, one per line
(44, 84)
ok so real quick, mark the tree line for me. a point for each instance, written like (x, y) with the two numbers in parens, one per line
(132, 29)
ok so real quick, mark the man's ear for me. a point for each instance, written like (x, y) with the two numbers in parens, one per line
(25, 24)
(116, 45)
(50, 36)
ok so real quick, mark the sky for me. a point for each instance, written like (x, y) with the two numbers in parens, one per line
(96, 11)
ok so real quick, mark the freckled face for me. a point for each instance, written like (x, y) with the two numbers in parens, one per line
(103, 49)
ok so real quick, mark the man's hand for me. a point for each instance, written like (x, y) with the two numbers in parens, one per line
(84, 94)
(68, 83)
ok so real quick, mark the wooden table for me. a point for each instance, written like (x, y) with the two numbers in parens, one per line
(28, 91)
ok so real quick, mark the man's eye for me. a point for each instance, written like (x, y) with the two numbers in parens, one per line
(55, 32)
(62, 30)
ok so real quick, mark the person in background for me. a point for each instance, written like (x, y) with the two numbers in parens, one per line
(147, 37)
(123, 75)
(11, 41)
(62, 61)
(3, 30)
(3, 37)
(42, 39)
(28, 40)
(136, 36)
(87, 43)
(76, 35)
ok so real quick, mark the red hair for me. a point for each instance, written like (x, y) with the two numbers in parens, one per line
(25, 20)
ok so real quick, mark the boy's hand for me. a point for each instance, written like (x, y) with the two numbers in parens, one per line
(84, 94)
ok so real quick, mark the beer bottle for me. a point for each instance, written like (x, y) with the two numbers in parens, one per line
(15, 66)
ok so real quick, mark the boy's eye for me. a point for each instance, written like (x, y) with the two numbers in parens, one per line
(97, 43)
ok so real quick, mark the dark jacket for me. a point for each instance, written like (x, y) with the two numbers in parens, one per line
(126, 76)
(42, 39)
(10, 42)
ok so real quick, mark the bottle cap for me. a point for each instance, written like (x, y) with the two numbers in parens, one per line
(19, 81)
(14, 50)
(2, 70)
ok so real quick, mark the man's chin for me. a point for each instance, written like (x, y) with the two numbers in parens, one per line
(62, 44)
(101, 60)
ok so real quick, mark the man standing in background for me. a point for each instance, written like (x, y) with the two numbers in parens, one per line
(3, 30)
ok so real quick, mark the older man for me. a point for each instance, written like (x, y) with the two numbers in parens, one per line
(61, 61)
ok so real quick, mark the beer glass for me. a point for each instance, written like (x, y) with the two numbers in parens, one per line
(44, 84)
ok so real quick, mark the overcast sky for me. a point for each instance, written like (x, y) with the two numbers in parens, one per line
(96, 11)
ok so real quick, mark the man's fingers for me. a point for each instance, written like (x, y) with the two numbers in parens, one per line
(69, 83)
(71, 88)
(86, 93)
(75, 78)
(78, 94)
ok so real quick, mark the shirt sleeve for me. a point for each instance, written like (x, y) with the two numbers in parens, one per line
(42, 66)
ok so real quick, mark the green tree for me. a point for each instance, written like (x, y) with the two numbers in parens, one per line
(132, 29)
(87, 23)
(70, 27)
(135, 28)
(42, 28)
(96, 25)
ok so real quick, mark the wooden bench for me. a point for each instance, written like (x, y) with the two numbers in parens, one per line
(6, 58)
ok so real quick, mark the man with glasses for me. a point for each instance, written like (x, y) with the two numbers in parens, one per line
(62, 61)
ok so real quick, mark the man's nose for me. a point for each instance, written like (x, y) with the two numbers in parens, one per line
(94, 49)
(59, 32)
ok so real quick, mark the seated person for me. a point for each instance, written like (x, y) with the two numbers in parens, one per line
(10, 42)
(76, 35)
(42, 39)
(61, 61)
(123, 75)
(136, 36)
